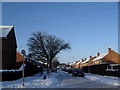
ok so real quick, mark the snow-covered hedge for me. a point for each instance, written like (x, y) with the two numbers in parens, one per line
(13, 70)
(9, 75)
(101, 69)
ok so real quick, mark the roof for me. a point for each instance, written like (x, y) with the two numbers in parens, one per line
(4, 30)
(100, 57)
(79, 62)
(86, 61)
(32, 59)
(19, 57)
(72, 63)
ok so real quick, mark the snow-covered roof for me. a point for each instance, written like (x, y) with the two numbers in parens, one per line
(85, 61)
(4, 30)
(79, 62)
(73, 62)
(70, 63)
(100, 57)
(37, 61)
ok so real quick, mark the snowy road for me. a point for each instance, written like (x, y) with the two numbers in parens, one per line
(64, 80)
(89, 81)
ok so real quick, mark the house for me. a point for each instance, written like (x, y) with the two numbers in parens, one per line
(79, 63)
(85, 62)
(90, 60)
(8, 47)
(82, 62)
(70, 64)
(19, 57)
(73, 64)
(109, 57)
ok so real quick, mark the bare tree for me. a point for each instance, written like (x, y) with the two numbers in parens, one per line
(44, 46)
(55, 62)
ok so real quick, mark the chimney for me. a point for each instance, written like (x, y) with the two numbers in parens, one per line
(109, 49)
(90, 57)
(98, 54)
(82, 59)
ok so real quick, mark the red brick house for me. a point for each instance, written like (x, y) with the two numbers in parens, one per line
(19, 57)
(109, 57)
(88, 61)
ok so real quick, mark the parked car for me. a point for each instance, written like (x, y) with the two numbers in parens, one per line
(78, 72)
(54, 69)
(70, 70)
(66, 69)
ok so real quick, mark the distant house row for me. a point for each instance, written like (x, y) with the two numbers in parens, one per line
(110, 57)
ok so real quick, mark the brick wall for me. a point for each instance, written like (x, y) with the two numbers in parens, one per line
(113, 57)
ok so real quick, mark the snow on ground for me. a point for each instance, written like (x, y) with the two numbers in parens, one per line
(64, 80)
(103, 79)
(35, 81)
(89, 81)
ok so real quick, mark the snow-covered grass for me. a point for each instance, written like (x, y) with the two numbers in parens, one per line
(103, 79)
(63, 80)
(35, 81)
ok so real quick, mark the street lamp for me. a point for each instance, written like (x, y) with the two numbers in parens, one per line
(24, 54)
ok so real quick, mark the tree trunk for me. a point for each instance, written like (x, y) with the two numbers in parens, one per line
(50, 66)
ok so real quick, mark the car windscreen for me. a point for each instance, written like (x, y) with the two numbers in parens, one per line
(78, 69)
